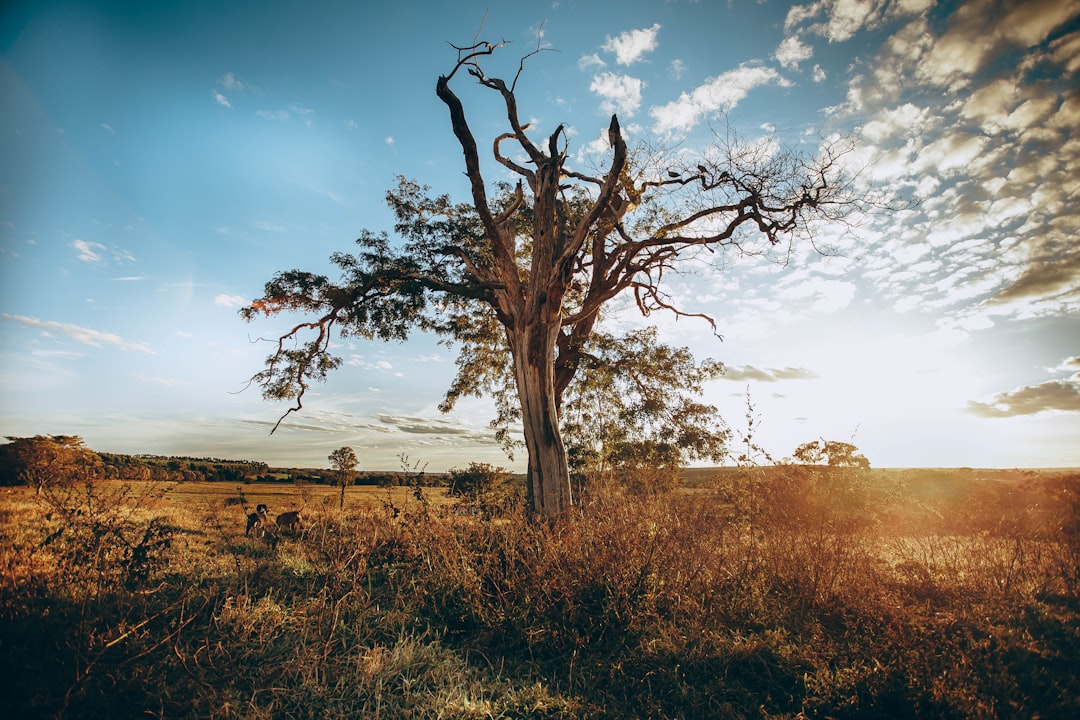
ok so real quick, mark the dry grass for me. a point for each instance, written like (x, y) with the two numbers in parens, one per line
(805, 594)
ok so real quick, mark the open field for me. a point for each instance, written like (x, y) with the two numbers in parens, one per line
(794, 593)
(288, 496)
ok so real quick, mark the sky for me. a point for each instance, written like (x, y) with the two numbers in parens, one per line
(162, 160)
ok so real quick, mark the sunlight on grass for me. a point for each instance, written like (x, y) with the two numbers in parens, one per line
(783, 593)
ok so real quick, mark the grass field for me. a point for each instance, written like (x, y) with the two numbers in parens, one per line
(796, 593)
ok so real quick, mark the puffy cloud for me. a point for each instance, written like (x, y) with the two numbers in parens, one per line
(844, 18)
(231, 301)
(799, 14)
(847, 17)
(721, 93)
(792, 51)
(1043, 277)
(84, 335)
(1061, 395)
(221, 99)
(590, 61)
(631, 45)
(1065, 51)
(621, 93)
(981, 126)
(980, 30)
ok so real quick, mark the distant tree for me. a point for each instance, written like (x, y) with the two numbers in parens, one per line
(475, 481)
(344, 462)
(45, 460)
(645, 467)
(528, 268)
(634, 402)
(827, 487)
(831, 453)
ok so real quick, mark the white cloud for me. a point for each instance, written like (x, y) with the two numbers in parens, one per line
(819, 74)
(978, 31)
(360, 362)
(597, 146)
(793, 51)
(84, 335)
(90, 252)
(847, 17)
(621, 93)
(721, 93)
(221, 100)
(798, 14)
(631, 45)
(230, 301)
(1059, 395)
(589, 61)
(677, 68)
(389, 140)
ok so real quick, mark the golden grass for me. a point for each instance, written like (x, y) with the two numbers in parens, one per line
(794, 598)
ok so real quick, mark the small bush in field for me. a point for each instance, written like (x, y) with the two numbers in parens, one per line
(101, 533)
(485, 486)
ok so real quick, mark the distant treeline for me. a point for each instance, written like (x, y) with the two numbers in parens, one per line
(44, 459)
(188, 469)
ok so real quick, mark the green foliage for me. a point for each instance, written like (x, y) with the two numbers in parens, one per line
(632, 409)
(45, 460)
(476, 481)
(646, 466)
(344, 462)
(832, 453)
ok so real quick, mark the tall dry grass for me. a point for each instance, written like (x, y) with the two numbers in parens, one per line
(796, 592)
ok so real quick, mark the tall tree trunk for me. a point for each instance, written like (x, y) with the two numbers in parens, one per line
(549, 492)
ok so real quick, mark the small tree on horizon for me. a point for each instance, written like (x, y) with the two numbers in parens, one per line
(519, 276)
(344, 462)
(832, 453)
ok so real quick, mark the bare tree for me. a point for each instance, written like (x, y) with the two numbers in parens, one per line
(524, 273)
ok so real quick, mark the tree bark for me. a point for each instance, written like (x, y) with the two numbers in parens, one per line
(548, 485)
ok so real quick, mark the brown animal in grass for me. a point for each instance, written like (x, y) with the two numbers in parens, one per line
(257, 520)
(289, 521)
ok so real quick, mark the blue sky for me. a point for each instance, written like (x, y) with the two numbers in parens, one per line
(162, 160)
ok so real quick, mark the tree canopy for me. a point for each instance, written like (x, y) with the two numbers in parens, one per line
(344, 462)
(45, 460)
(519, 276)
